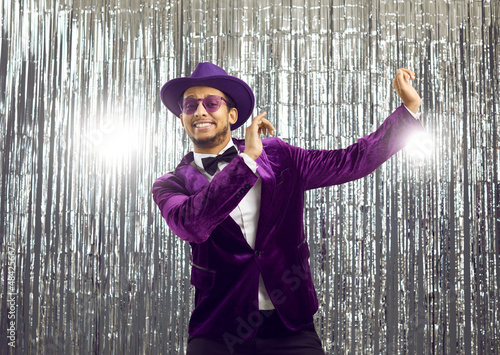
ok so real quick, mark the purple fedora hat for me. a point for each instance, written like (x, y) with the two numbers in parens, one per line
(208, 74)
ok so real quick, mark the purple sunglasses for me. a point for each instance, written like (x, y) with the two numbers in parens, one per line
(211, 103)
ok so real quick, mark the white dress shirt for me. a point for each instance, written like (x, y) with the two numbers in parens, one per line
(246, 214)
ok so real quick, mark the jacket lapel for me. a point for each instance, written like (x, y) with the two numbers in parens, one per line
(268, 181)
(267, 192)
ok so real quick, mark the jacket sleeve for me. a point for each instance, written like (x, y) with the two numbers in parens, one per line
(193, 217)
(320, 168)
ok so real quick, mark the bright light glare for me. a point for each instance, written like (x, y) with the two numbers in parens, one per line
(420, 146)
(118, 144)
(112, 141)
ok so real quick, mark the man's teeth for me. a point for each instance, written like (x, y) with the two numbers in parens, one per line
(201, 125)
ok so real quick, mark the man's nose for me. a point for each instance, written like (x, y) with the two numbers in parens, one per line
(200, 110)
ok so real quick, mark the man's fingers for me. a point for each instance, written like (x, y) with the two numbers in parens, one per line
(402, 79)
(268, 126)
(258, 119)
(412, 74)
(407, 74)
(262, 125)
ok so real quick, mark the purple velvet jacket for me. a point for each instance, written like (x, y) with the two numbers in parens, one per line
(225, 269)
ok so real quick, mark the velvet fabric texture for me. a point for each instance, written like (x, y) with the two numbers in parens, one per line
(225, 269)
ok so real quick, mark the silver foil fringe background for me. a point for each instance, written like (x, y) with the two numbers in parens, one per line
(406, 260)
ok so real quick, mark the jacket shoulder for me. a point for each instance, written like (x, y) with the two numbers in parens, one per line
(275, 144)
(268, 144)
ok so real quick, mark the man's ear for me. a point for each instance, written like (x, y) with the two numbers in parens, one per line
(182, 121)
(233, 115)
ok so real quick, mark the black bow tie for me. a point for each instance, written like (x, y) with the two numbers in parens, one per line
(211, 164)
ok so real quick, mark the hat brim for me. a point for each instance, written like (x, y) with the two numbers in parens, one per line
(241, 94)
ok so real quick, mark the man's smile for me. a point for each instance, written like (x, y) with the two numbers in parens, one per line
(203, 125)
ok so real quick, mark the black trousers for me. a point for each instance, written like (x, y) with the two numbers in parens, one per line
(273, 337)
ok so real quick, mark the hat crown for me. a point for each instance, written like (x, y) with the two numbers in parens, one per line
(207, 69)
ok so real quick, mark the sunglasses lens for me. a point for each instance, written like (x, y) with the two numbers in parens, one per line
(211, 103)
(189, 105)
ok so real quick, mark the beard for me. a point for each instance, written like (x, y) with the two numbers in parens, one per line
(210, 142)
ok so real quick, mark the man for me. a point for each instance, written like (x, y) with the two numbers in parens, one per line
(240, 206)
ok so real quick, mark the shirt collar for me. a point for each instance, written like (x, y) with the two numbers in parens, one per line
(199, 156)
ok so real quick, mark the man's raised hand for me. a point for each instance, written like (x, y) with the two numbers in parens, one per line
(253, 144)
(406, 92)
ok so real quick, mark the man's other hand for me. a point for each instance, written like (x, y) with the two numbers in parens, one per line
(253, 144)
(406, 92)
